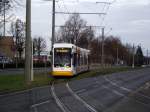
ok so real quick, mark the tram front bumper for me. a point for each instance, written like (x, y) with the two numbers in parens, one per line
(62, 73)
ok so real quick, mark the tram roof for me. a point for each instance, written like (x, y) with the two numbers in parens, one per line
(68, 45)
(56, 45)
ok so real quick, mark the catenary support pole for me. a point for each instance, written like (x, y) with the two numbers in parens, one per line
(28, 45)
(53, 29)
(133, 57)
(102, 57)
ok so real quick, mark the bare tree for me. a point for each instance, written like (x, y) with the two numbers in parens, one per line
(6, 13)
(18, 31)
(72, 29)
(85, 37)
(39, 44)
(6, 6)
(75, 31)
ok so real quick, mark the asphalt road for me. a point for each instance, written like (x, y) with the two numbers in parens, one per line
(118, 92)
(21, 71)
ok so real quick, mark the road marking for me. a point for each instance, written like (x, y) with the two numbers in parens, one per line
(95, 86)
(81, 91)
(81, 100)
(143, 95)
(38, 104)
(58, 102)
(147, 85)
(123, 88)
(114, 91)
(115, 84)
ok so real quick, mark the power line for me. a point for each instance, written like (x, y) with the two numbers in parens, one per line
(65, 6)
(109, 3)
(60, 9)
(108, 32)
(103, 10)
(79, 13)
(82, 27)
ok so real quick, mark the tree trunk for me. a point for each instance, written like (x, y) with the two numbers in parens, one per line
(20, 53)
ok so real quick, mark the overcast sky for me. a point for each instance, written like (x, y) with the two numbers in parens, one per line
(129, 19)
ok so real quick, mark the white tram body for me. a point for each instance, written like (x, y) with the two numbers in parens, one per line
(69, 60)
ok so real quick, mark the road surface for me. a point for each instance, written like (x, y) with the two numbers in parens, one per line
(20, 71)
(118, 92)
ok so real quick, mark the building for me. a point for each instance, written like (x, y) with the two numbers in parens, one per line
(7, 47)
(44, 57)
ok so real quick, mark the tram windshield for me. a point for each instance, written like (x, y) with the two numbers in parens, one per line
(62, 57)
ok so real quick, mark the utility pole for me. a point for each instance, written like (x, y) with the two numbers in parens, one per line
(147, 57)
(102, 57)
(4, 3)
(53, 29)
(117, 55)
(28, 45)
(133, 57)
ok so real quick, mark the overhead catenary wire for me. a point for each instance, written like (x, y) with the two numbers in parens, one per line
(105, 9)
(65, 6)
(83, 26)
(60, 9)
(94, 13)
(103, 12)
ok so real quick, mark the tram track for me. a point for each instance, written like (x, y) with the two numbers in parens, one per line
(123, 92)
(111, 93)
(77, 105)
(58, 101)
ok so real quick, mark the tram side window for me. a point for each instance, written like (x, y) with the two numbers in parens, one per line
(75, 59)
(85, 59)
(82, 60)
(78, 59)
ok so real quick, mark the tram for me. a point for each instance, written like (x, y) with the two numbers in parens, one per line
(69, 60)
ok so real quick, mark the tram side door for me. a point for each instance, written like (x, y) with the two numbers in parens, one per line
(74, 58)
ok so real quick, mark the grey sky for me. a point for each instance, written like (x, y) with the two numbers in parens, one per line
(129, 19)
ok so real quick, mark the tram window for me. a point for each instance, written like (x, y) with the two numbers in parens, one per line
(82, 60)
(75, 59)
(85, 60)
(62, 57)
(78, 59)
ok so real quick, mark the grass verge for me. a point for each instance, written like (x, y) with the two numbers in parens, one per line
(12, 83)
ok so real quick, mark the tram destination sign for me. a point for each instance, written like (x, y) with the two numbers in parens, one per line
(62, 50)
